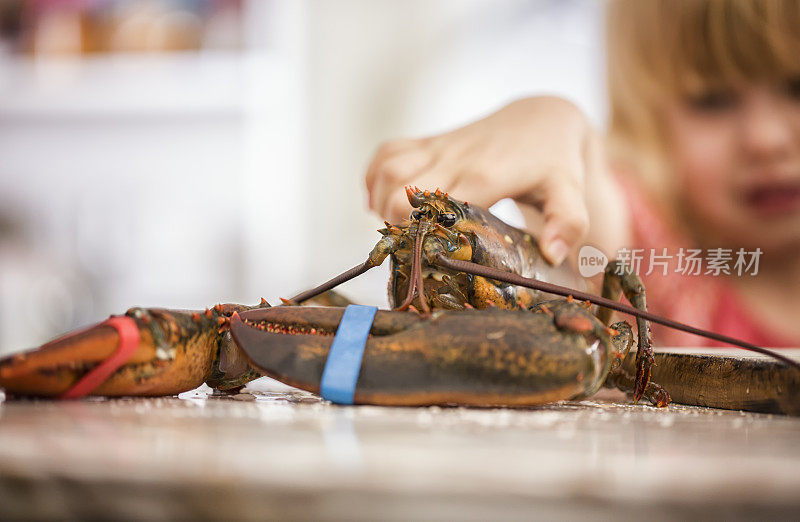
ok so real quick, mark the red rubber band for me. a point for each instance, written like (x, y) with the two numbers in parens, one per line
(128, 342)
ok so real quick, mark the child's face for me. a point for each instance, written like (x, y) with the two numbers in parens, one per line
(737, 156)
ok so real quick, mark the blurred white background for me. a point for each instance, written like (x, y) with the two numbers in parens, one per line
(180, 153)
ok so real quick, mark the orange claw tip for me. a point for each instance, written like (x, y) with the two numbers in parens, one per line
(263, 303)
(84, 347)
(208, 313)
(438, 192)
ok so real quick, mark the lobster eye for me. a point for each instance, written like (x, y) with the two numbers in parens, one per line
(446, 219)
(415, 215)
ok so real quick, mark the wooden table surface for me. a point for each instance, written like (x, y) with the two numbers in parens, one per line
(278, 453)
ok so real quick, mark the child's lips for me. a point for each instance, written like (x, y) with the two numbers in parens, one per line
(774, 199)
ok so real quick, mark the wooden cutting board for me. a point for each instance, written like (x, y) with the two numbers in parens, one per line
(730, 379)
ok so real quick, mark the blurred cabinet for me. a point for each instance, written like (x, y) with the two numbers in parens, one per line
(136, 179)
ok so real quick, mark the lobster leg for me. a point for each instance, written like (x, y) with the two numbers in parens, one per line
(619, 279)
(620, 378)
(626, 382)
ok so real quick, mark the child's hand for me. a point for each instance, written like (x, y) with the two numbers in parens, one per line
(538, 151)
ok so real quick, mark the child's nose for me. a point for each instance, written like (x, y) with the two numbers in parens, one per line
(767, 124)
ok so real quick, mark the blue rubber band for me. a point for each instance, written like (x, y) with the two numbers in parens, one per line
(341, 371)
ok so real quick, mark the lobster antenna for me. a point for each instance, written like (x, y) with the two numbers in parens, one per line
(415, 284)
(515, 279)
(336, 281)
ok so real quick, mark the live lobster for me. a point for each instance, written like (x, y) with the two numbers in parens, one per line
(473, 322)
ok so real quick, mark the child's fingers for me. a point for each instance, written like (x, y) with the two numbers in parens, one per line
(397, 206)
(566, 220)
(392, 173)
(473, 190)
(385, 151)
(534, 219)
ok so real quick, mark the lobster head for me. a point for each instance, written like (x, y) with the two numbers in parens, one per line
(436, 207)
(440, 225)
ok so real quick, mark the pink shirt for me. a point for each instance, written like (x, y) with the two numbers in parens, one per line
(705, 301)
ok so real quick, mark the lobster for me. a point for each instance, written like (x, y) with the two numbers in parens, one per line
(473, 322)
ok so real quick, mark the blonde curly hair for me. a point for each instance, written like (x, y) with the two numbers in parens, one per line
(661, 50)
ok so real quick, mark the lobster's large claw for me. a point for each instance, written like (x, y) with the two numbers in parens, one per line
(175, 353)
(291, 344)
(481, 358)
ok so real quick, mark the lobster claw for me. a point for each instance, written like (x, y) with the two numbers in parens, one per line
(479, 358)
(291, 344)
(168, 352)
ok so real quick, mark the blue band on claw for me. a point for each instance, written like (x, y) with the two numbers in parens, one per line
(341, 371)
